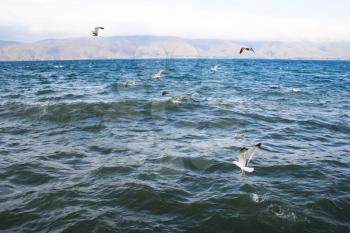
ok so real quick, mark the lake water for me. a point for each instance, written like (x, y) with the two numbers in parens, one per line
(82, 152)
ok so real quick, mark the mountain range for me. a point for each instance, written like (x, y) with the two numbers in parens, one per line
(119, 47)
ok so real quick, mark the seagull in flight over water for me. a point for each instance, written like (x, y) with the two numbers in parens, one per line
(95, 31)
(246, 49)
(215, 68)
(244, 156)
(158, 75)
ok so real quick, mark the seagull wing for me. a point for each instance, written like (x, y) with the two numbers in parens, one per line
(241, 51)
(159, 73)
(253, 50)
(94, 31)
(242, 156)
(250, 153)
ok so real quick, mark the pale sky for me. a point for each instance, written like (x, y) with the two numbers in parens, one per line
(286, 20)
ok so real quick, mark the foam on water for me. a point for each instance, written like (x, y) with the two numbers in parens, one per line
(258, 199)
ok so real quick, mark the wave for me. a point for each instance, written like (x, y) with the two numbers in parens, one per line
(60, 98)
(107, 170)
(297, 170)
(338, 127)
(338, 209)
(326, 125)
(45, 92)
(67, 155)
(93, 128)
(143, 196)
(27, 174)
(195, 163)
(75, 111)
(205, 116)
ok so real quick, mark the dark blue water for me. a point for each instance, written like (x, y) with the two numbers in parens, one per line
(80, 152)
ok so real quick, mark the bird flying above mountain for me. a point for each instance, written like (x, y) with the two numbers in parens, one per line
(95, 31)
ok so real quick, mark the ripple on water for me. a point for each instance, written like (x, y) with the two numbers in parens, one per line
(28, 174)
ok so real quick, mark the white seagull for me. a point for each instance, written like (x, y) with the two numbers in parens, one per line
(95, 31)
(244, 156)
(158, 75)
(294, 89)
(215, 68)
(130, 83)
(181, 99)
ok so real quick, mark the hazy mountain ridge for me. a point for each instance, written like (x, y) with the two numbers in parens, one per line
(165, 47)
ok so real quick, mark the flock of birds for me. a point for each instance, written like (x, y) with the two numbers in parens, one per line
(245, 154)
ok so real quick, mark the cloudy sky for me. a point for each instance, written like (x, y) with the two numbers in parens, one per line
(288, 20)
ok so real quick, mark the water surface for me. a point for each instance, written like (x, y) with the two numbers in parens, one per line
(80, 152)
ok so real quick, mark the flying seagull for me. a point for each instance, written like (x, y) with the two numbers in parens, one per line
(95, 31)
(215, 68)
(158, 75)
(244, 156)
(246, 49)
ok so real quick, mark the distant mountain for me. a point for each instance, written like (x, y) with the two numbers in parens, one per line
(165, 47)
(3, 43)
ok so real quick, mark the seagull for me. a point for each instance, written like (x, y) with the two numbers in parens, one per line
(246, 49)
(181, 99)
(194, 94)
(130, 83)
(158, 75)
(178, 100)
(294, 89)
(215, 68)
(95, 31)
(244, 156)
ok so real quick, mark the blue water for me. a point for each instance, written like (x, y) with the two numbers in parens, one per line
(82, 152)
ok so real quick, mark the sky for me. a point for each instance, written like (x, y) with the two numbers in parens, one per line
(252, 20)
